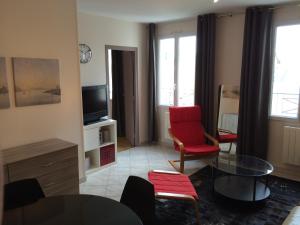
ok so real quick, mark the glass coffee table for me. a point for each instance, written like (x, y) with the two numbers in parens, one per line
(244, 177)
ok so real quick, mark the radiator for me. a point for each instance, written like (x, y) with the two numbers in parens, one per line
(291, 145)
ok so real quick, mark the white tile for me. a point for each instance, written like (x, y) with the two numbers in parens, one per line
(117, 180)
(114, 197)
(138, 158)
(123, 153)
(97, 180)
(93, 190)
(137, 161)
(114, 190)
(137, 171)
(120, 171)
(140, 164)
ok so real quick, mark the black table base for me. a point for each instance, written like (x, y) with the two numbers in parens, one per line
(246, 189)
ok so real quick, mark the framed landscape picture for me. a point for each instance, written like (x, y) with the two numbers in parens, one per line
(37, 81)
(4, 97)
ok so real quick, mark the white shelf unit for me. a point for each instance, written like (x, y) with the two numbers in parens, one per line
(98, 137)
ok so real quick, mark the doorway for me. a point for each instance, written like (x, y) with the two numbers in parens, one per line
(121, 70)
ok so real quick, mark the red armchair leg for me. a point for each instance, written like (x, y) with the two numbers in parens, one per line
(181, 162)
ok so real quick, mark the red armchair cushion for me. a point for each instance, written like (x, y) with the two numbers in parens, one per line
(172, 183)
(186, 125)
(227, 138)
(201, 149)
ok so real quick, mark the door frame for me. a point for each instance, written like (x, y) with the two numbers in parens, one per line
(135, 85)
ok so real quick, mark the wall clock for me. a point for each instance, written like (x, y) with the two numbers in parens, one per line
(85, 53)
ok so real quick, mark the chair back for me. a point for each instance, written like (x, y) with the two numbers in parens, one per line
(21, 193)
(138, 195)
(186, 125)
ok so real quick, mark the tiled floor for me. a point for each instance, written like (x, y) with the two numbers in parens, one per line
(109, 182)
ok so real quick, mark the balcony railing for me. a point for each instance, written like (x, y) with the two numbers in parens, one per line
(285, 104)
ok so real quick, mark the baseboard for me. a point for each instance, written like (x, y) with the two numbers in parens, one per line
(287, 173)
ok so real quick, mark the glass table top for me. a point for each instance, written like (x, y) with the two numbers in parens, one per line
(242, 165)
(72, 210)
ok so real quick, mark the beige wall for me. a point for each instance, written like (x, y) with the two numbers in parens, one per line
(177, 27)
(97, 32)
(229, 46)
(42, 29)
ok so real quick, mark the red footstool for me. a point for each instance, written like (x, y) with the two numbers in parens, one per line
(174, 185)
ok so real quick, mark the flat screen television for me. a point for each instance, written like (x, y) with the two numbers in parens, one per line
(95, 103)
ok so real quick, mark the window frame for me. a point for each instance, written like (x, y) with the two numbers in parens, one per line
(274, 39)
(176, 37)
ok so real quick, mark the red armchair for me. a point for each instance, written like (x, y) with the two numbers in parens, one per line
(189, 136)
(226, 136)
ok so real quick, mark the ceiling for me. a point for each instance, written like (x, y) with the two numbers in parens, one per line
(146, 11)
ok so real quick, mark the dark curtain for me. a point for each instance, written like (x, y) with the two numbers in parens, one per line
(152, 84)
(205, 64)
(255, 83)
(118, 108)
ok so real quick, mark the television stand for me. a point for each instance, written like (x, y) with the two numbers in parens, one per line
(100, 144)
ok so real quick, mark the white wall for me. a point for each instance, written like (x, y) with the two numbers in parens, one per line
(42, 29)
(97, 31)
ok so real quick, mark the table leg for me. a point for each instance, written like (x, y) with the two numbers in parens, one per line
(267, 181)
(254, 189)
(213, 179)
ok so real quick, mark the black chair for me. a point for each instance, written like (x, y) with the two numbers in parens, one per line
(138, 195)
(21, 193)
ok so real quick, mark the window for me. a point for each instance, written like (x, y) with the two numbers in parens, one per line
(286, 72)
(166, 71)
(176, 74)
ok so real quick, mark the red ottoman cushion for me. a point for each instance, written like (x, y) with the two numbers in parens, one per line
(172, 183)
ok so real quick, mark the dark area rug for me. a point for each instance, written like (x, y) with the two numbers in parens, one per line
(214, 210)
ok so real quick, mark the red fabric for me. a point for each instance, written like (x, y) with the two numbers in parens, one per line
(172, 183)
(227, 138)
(185, 114)
(186, 125)
(201, 149)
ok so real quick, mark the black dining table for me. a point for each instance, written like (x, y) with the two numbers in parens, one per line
(72, 210)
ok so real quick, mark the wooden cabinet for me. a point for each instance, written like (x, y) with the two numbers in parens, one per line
(53, 162)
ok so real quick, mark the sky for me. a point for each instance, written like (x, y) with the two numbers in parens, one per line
(3, 81)
(36, 73)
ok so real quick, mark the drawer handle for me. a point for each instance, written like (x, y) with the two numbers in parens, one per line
(49, 185)
(48, 164)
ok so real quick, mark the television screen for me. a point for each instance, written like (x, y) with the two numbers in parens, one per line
(94, 102)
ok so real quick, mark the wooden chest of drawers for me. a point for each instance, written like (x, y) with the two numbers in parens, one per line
(53, 162)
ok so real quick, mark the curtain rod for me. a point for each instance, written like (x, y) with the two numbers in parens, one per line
(231, 14)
